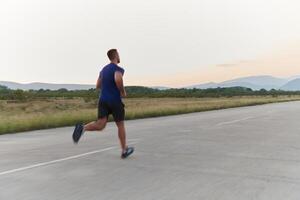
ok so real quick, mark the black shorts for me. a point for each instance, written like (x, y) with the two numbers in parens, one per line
(116, 109)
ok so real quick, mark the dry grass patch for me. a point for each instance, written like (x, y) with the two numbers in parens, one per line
(16, 117)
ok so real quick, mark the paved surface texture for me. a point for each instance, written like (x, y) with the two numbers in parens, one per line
(241, 153)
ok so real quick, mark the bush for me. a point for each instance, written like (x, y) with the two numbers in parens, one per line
(138, 91)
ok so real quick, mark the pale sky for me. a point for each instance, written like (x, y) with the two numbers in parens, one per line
(161, 42)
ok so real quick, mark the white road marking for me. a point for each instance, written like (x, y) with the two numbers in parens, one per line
(234, 121)
(58, 160)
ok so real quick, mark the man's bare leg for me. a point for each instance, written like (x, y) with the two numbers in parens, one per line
(96, 125)
(122, 134)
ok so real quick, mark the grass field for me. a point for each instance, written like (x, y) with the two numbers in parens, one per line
(42, 114)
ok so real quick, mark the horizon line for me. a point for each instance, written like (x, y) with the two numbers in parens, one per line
(187, 85)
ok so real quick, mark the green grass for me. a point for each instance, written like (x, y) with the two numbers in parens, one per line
(33, 115)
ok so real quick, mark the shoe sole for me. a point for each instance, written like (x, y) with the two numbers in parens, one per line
(77, 134)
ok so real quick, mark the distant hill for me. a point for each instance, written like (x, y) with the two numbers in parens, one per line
(293, 77)
(240, 84)
(226, 85)
(204, 86)
(258, 82)
(253, 82)
(45, 86)
(293, 85)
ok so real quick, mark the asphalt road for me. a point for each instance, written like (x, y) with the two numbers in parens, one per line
(241, 153)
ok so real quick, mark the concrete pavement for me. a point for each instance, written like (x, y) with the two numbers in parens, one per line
(240, 153)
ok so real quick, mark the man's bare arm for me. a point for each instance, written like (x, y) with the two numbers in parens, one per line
(119, 83)
(98, 84)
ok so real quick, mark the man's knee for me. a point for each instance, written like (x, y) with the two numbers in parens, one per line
(120, 124)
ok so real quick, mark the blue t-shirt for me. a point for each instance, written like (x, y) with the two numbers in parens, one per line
(109, 89)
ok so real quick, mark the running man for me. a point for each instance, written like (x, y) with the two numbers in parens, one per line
(110, 82)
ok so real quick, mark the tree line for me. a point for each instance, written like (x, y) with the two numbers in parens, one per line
(139, 92)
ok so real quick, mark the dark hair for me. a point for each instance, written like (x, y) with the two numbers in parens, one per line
(112, 53)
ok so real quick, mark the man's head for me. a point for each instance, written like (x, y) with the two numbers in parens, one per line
(113, 56)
